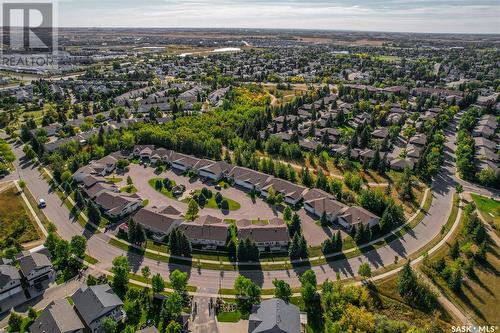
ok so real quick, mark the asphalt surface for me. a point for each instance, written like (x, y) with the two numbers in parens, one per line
(98, 247)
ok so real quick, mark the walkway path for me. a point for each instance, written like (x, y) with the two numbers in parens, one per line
(203, 312)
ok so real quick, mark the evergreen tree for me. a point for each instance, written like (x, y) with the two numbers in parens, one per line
(323, 219)
(338, 242)
(375, 162)
(94, 213)
(294, 248)
(294, 226)
(132, 231)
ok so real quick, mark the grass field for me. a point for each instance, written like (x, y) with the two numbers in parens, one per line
(15, 223)
(129, 189)
(490, 210)
(392, 305)
(229, 317)
(211, 203)
(479, 295)
(114, 179)
(163, 191)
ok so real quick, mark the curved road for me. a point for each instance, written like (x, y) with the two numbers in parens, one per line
(98, 247)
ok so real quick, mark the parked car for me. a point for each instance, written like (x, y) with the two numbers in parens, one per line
(41, 203)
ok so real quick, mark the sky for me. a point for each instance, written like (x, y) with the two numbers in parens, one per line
(451, 16)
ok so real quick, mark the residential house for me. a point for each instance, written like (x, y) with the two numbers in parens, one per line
(216, 170)
(269, 235)
(160, 155)
(142, 151)
(249, 178)
(182, 162)
(292, 193)
(354, 216)
(207, 231)
(96, 189)
(94, 303)
(10, 281)
(36, 268)
(118, 204)
(158, 220)
(317, 202)
(274, 316)
(418, 140)
(401, 164)
(58, 317)
(381, 133)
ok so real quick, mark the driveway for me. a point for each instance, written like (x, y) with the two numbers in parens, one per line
(249, 210)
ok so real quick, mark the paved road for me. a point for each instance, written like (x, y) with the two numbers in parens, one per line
(443, 188)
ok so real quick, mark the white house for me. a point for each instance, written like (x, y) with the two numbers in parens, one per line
(10, 281)
(36, 268)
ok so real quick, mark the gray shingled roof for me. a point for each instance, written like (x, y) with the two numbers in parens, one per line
(7, 274)
(95, 301)
(32, 261)
(58, 317)
(273, 316)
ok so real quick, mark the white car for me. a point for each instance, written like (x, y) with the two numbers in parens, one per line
(41, 203)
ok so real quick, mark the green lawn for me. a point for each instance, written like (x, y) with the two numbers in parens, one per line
(114, 179)
(129, 189)
(229, 317)
(163, 191)
(490, 210)
(15, 222)
(90, 259)
(211, 203)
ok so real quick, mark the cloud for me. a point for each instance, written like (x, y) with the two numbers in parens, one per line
(376, 15)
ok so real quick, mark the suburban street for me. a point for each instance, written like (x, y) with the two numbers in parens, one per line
(98, 247)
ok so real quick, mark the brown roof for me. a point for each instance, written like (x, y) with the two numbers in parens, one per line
(90, 180)
(316, 193)
(273, 230)
(288, 189)
(356, 215)
(114, 201)
(158, 218)
(217, 167)
(250, 176)
(186, 160)
(95, 189)
(327, 205)
(205, 227)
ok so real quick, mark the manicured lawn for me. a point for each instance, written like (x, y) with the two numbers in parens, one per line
(129, 189)
(164, 191)
(211, 203)
(114, 179)
(229, 317)
(490, 210)
(90, 259)
(14, 220)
